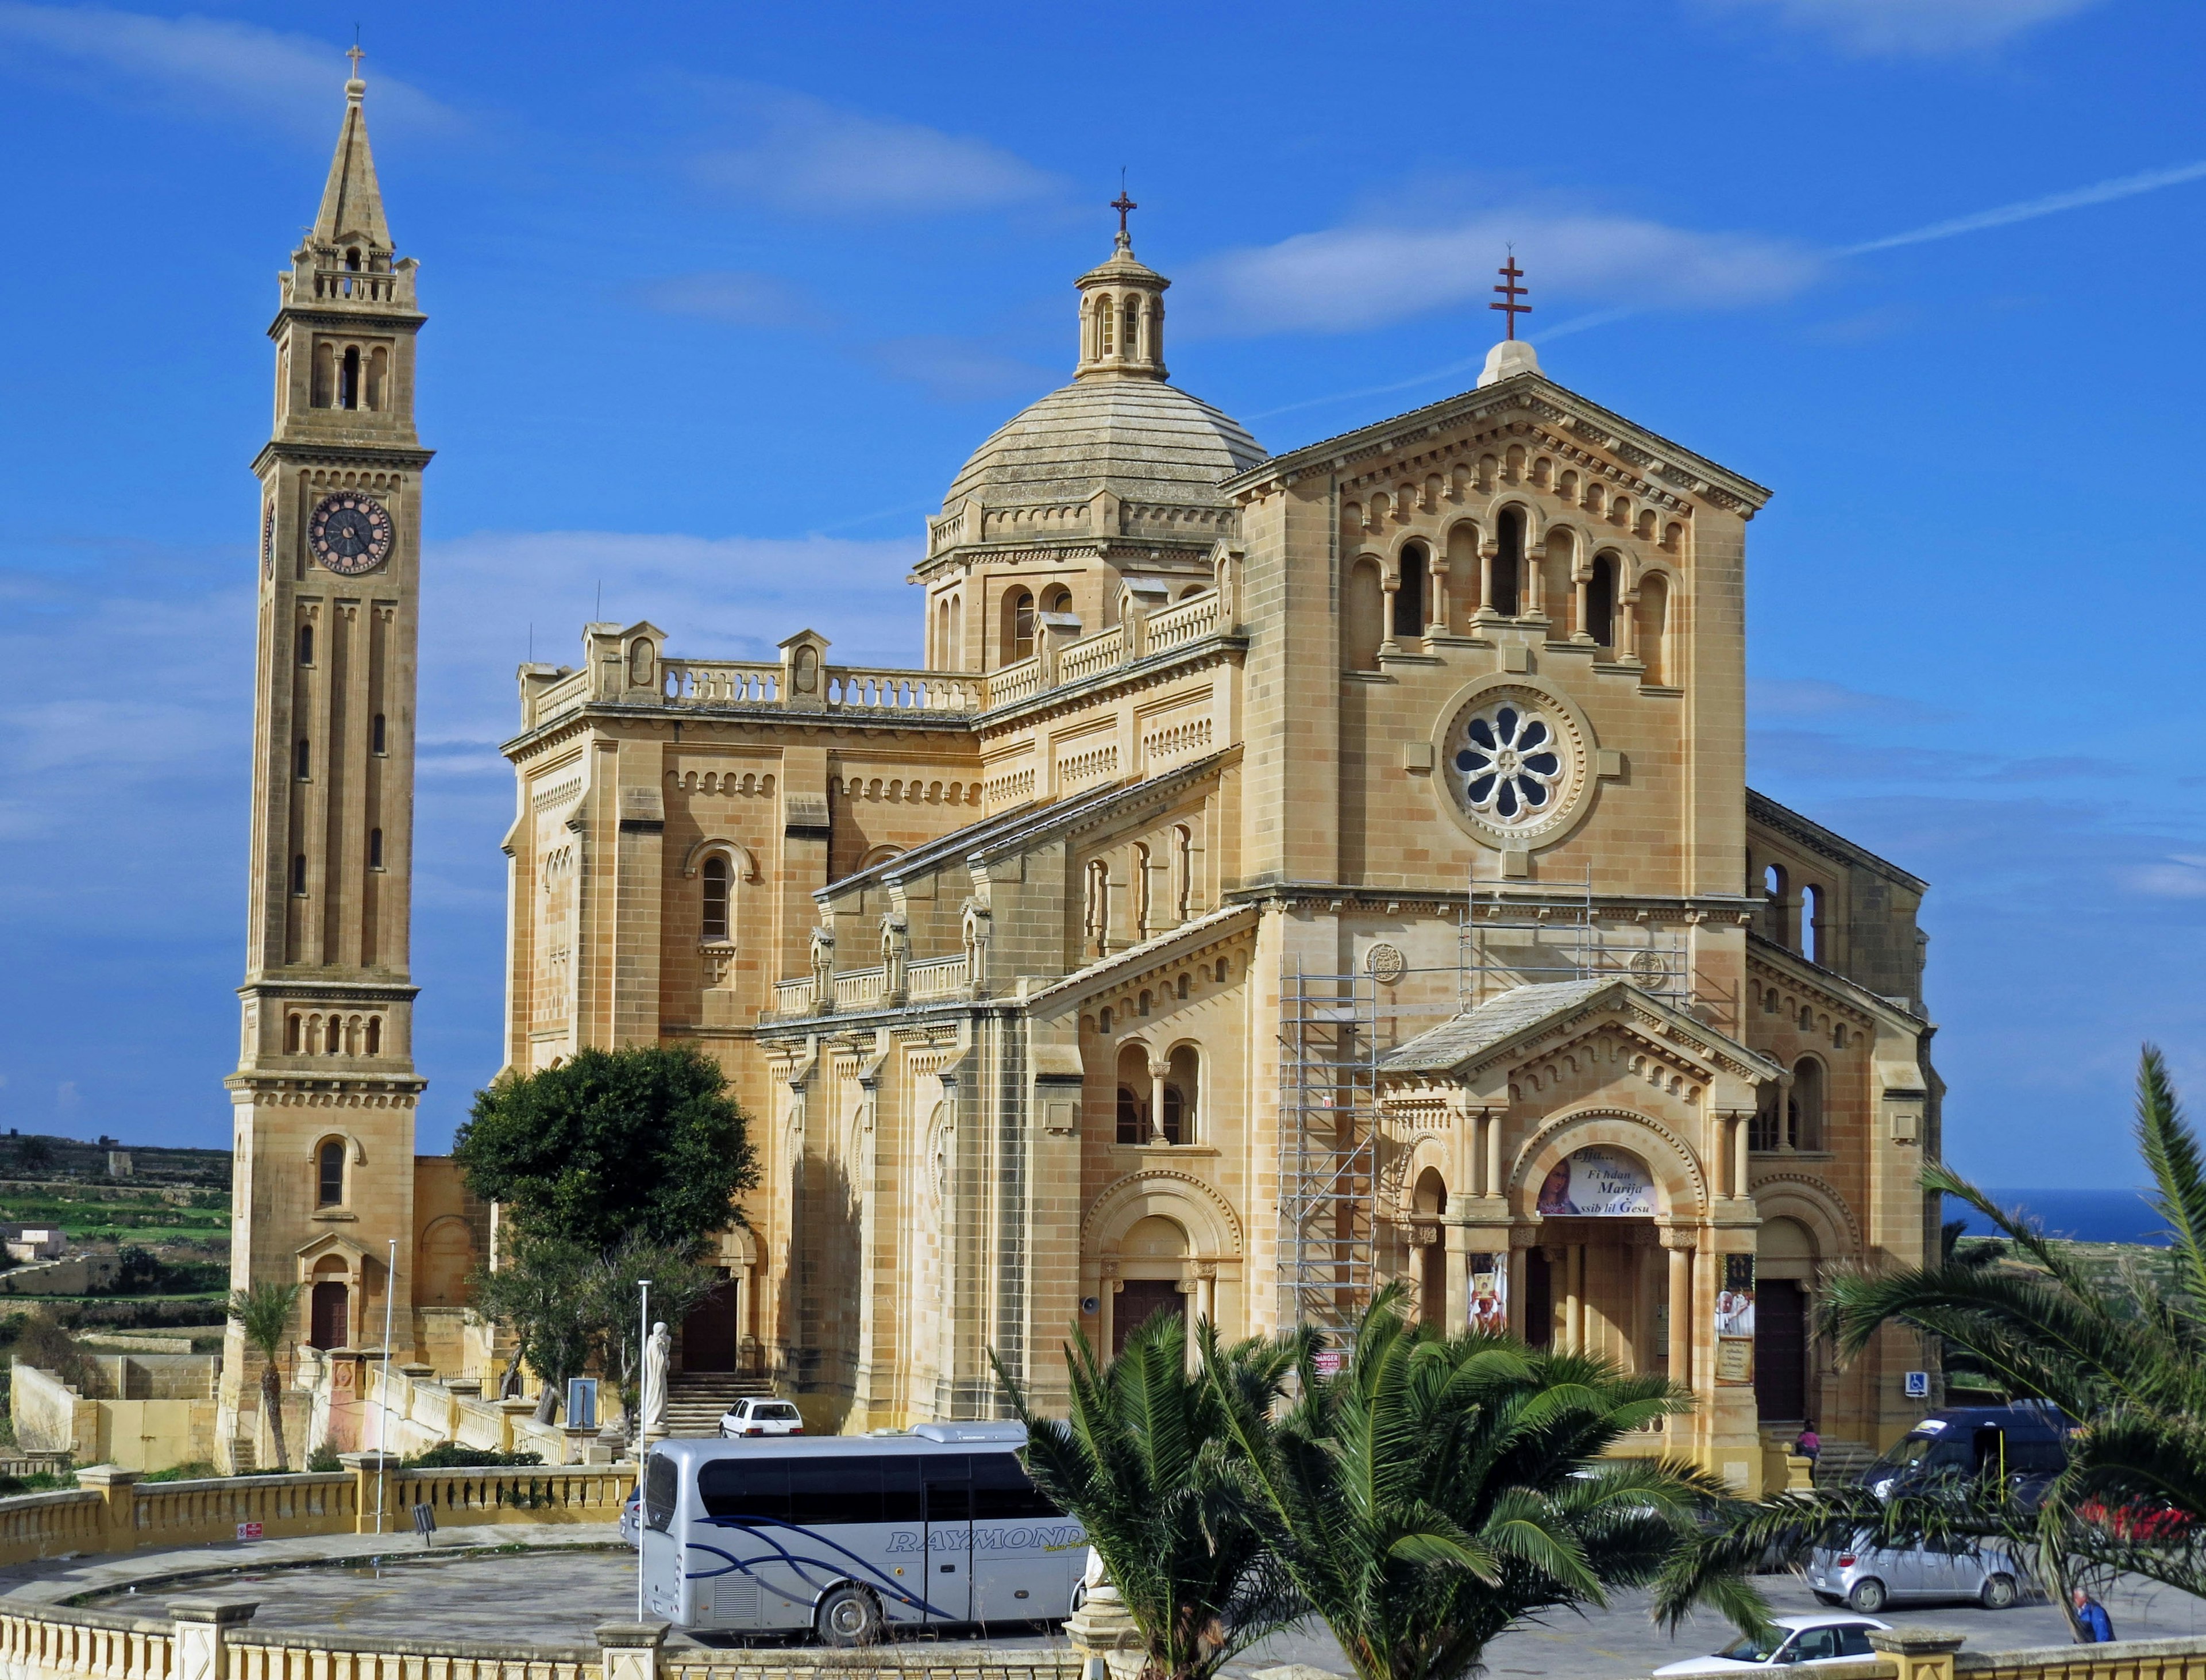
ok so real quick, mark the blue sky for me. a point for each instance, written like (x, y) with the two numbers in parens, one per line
(720, 296)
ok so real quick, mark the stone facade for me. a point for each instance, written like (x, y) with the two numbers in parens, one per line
(1287, 874)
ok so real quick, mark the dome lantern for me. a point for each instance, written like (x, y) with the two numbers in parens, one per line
(1121, 313)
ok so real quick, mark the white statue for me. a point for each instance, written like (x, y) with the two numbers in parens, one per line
(658, 1354)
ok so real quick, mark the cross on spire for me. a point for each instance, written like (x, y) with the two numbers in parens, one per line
(1510, 292)
(354, 53)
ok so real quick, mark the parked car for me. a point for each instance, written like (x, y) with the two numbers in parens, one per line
(631, 1523)
(760, 1416)
(1792, 1640)
(1866, 1579)
(2024, 1446)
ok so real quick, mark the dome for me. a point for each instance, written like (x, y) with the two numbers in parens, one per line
(1144, 440)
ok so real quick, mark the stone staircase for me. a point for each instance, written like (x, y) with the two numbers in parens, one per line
(694, 1401)
(1842, 1462)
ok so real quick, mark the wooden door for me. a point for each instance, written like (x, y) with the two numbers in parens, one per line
(329, 1321)
(1539, 1298)
(1780, 1350)
(710, 1334)
(1139, 1300)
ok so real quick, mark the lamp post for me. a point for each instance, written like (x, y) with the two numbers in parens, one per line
(642, 1382)
(382, 1416)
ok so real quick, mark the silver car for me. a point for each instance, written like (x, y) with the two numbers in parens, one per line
(1866, 1579)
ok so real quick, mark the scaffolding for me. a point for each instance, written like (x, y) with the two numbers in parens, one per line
(1512, 934)
(1328, 1147)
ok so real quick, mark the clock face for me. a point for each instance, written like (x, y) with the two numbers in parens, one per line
(350, 532)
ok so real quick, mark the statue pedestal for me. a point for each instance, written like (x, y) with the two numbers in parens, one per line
(1103, 1633)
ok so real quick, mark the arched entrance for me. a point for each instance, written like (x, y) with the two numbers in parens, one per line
(1594, 1281)
(1785, 1256)
(1152, 1254)
(1427, 1204)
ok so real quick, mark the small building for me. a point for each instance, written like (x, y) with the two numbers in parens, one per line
(26, 1243)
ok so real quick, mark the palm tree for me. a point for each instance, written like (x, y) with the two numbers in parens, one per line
(2124, 1354)
(263, 1314)
(1142, 1464)
(1437, 1491)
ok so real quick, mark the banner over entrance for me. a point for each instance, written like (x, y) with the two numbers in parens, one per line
(1599, 1184)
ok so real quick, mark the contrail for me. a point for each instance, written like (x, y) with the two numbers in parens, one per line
(2123, 186)
(1577, 324)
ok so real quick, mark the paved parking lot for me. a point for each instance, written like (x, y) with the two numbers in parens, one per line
(556, 1597)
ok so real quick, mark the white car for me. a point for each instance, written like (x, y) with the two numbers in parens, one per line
(759, 1415)
(1793, 1640)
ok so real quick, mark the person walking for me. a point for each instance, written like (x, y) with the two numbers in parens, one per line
(2091, 1616)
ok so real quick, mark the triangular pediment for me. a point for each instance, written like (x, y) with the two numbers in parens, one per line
(1524, 1028)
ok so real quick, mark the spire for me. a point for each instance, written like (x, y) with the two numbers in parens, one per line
(352, 204)
(1122, 312)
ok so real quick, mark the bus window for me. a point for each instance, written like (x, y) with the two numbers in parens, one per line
(822, 1490)
(949, 1496)
(900, 1496)
(748, 1490)
(662, 1485)
(1002, 1491)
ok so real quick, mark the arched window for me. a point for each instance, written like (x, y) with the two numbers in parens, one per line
(1133, 339)
(1362, 610)
(1183, 873)
(1182, 988)
(1103, 1021)
(1761, 1130)
(1056, 598)
(299, 874)
(639, 663)
(1509, 564)
(1654, 626)
(1600, 601)
(352, 259)
(1409, 595)
(291, 1035)
(306, 644)
(377, 739)
(1107, 316)
(1143, 1008)
(379, 378)
(349, 378)
(1018, 639)
(1815, 938)
(303, 762)
(1225, 968)
(1142, 896)
(323, 390)
(375, 849)
(714, 923)
(1803, 1112)
(1134, 1094)
(375, 1035)
(1183, 1095)
(329, 1176)
(333, 1035)
(1773, 907)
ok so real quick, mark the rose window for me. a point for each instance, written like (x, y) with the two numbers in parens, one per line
(1511, 764)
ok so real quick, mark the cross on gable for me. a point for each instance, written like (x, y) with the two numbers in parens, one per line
(1510, 292)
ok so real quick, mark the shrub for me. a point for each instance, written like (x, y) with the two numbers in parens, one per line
(452, 1456)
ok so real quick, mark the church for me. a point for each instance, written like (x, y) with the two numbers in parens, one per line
(1285, 874)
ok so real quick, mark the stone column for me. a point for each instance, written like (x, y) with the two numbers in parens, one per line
(1489, 552)
(1438, 611)
(1157, 1071)
(1921, 1653)
(1574, 1312)
(375, 1476)
(201, 1630)
(1739, 1138)
(1680, 1246)
(1493, 1154)
(629, 1650)
(1643, 1357)
(1516, 1251)
(118, 1504)
(1455, 1310)
(1206, 1291)
(1390, 583)
(1559, 1280)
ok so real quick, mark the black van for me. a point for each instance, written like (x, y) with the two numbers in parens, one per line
(2023, 1445)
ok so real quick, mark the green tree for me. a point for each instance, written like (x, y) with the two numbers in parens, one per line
(539, 1296)
(263, 1314)
(1142, 1463)
(677, 1284)
(610, 1144)
(1437, 1491)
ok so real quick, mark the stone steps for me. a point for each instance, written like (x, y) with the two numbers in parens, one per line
(694, 1402)
(1842, 1462)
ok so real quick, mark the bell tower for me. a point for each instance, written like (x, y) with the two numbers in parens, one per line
(324, 1091)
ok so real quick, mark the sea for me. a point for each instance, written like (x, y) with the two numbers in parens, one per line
(2087, 1216)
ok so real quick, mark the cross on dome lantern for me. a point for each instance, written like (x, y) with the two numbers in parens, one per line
(1124, 206)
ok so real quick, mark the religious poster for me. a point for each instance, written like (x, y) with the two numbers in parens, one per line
(1599, 1184)
(1735, 1321)
(1489, 1293)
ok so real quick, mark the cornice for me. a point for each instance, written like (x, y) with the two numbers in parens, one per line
(333, 991)
(406, 320)
(1764, 953)
(400, 456)
(1657, 456)
(1149, 671)
(1807, 831)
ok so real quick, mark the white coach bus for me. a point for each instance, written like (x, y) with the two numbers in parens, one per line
(847, 1535)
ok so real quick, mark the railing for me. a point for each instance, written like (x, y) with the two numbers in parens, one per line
(720, 682)
(571, 1493)
(556, 700)
(858, 690)
(1015, 682)
(45, 1644)
(278, 1656)
(1104, 651)
(45, 1525)
(792, 996)
(858, 988)
(191, 1513)
(355, 285)
(1190, 621)
(937, 977)
(905, 1662)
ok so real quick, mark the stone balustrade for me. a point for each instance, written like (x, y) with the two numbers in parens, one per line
(1104, 651)
(935, 977)
(1192, 620)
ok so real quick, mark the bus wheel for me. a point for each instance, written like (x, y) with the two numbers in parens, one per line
(848, 1616)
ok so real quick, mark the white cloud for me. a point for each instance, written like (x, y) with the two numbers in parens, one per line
(1898, 28)
(806, 156)
(1352, 278)
(738, 297)
(2181, 875)
(210, 65)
